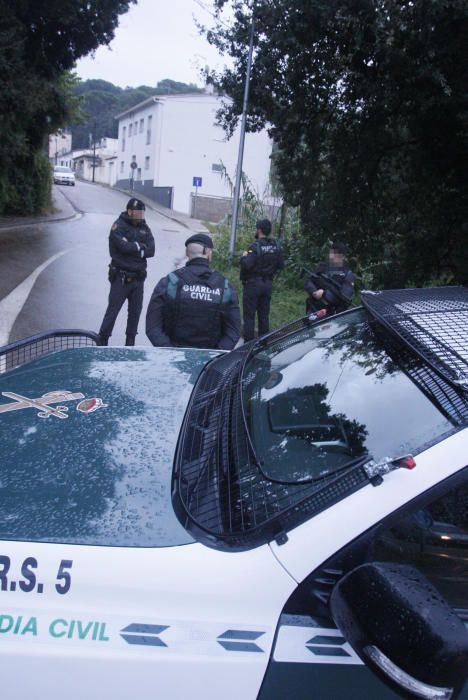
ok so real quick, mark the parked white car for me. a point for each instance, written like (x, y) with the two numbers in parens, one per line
(62, 175)
(288, 520)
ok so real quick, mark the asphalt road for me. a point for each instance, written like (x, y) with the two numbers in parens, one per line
(54, 275)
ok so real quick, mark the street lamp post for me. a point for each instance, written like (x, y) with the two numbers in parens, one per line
(134, 166)
(240, 157)
(94, 148)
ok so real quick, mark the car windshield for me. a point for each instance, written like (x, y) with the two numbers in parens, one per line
(62, 169)
(328, 395)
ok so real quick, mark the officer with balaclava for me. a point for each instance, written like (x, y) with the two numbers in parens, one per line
(331, 284)
(194, 306)
(258, 266)
(130, 244)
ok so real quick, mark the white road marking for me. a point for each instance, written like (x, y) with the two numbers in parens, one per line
(12, 304)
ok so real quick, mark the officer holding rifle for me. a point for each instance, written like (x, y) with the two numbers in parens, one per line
(331, 285)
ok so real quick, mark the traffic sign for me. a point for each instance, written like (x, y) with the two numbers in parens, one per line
(133, 164)
(197, 181)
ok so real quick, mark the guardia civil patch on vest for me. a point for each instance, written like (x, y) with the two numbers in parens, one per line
(271, 248)
(215, 294)
(200, 292)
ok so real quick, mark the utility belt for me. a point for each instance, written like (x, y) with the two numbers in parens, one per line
(125, 276)
(267, 278)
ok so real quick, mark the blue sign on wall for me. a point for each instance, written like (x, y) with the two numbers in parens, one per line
(197, 181)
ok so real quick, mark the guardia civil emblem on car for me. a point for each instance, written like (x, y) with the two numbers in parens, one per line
(45, 404)
(90, 405)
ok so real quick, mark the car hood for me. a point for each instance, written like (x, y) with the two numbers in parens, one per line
(88, 441)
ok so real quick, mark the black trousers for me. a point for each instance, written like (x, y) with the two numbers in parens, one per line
(119, 292)
(256, 301)
(314, 305)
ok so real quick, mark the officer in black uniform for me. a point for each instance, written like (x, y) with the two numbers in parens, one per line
(194, 306)
(258, 266)
(331, 284)
(130, 244)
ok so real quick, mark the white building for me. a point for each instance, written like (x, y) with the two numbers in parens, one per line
(174, 143)
(98, 164)
(60, 145)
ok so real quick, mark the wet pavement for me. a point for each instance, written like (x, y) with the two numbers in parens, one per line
(54, 268)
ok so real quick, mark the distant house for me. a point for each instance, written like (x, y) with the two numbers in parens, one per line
(171, 149)
(98, 163)
(60, 145)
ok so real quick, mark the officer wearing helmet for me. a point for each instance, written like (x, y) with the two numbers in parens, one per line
(194, 306)
(130, 244)
(330, 286)
(258, 266)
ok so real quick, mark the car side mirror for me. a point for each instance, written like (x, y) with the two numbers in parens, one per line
(403, 629)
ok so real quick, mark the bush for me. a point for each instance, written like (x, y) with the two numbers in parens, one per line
(28, 185)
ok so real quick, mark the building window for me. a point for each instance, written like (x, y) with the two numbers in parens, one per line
(135, 128)
(142, 125)
(122, 165)
(148, 129)
(124, 133)
(130, 127)
(216, 168)
(138, 174)
(147, 162)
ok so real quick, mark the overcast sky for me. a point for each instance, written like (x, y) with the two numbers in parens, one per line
(156, 39)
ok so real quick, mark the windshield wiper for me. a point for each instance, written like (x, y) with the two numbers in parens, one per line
(375, 471)
(355, 462)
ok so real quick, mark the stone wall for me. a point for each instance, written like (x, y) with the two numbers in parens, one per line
(210, 208)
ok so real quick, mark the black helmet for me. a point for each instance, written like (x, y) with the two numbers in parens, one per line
(136, 204)
(339, 247)
(201, 238)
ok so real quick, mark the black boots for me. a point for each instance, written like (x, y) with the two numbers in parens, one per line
(129, 340)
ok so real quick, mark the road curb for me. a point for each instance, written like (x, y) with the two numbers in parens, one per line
(28, 221)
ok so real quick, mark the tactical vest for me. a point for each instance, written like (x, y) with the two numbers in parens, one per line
(268, 257)
(337, 275)
(194, 307)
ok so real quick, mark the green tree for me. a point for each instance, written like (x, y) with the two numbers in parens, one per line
(40, 40)
(367, 102)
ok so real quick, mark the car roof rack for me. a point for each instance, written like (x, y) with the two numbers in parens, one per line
(432, 322)
(28, 349)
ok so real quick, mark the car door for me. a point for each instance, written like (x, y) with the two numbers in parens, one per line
(153, 623)
(429, 533)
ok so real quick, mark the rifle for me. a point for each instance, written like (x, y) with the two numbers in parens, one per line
(324, 282)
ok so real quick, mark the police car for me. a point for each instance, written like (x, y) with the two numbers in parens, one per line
(287, 520)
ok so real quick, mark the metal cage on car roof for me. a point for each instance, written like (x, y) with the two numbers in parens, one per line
(432, 322)
(23, 351)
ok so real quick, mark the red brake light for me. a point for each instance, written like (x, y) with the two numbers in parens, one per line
(407, 462)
